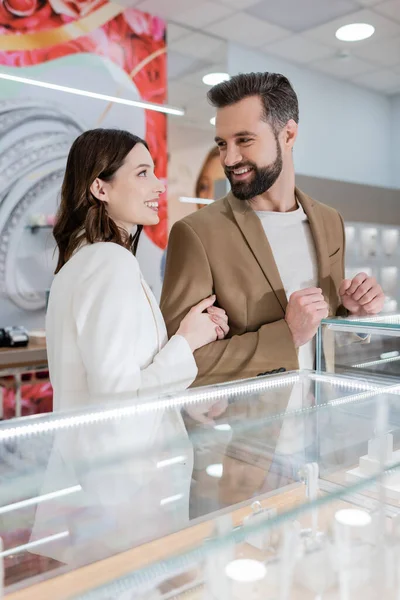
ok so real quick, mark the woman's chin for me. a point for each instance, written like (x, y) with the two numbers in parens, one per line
(153, 220)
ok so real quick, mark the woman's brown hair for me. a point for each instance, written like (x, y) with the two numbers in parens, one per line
(81, 217)
(213, 153)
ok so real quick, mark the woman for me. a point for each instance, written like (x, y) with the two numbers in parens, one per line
(210, 172)
(106, 337)
(105, 332)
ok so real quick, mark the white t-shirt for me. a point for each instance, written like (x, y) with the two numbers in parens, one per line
(292, 244)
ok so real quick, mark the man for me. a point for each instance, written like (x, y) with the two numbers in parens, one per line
(273, 256)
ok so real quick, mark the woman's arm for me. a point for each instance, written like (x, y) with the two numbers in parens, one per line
(110, 326)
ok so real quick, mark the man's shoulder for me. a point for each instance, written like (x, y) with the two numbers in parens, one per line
(327, 212)
(208, 214)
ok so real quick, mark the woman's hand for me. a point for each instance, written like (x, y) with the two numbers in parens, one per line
(200, 328)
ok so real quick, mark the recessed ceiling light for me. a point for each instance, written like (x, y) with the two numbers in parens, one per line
(216, 470)
(355, 32)
(223, 427)
(215, 78)
(353, 516)
(212, 121)
(246, 570)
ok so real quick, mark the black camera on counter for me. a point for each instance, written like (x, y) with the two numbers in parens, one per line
(13, 337)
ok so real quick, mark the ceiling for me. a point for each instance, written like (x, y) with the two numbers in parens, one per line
(299, 31)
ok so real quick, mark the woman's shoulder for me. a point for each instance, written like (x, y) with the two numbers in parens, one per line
(99, 260)
(106, 254)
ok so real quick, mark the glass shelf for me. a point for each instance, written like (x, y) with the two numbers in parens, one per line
(148, 488)
(369, 346)
(36, 228)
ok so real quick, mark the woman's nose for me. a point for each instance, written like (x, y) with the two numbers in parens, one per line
(160, 187)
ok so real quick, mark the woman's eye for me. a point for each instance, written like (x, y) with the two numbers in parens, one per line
(143, 173)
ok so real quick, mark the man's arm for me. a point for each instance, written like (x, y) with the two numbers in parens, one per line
(188, 279)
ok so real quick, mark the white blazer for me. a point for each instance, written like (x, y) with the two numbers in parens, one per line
(105, 336)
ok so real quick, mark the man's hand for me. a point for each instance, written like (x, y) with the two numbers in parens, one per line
(205, 413)
(305, 310)
(362, 295)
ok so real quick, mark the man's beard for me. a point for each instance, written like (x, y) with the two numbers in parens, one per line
(262, 178)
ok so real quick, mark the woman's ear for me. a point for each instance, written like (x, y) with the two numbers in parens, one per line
(98, 190)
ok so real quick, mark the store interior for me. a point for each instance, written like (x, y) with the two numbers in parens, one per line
(253, 501)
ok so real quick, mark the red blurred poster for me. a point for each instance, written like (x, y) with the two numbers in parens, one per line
(92, 45)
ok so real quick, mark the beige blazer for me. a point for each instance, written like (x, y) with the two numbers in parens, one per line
(223, 249)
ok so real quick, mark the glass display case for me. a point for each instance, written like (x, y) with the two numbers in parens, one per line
(375, 250)
(363, 346)
(159, 497)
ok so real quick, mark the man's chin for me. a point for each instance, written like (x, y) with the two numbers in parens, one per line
(241, 193)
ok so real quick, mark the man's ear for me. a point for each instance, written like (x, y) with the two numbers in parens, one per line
(291, 131)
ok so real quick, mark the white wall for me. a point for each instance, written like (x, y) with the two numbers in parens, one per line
(345, 130)
(396, 140)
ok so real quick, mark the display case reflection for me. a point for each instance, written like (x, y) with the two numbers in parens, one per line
(284, 441)
(374, 249)
(367, 346)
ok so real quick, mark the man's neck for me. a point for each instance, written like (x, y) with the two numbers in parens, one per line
(280, 197)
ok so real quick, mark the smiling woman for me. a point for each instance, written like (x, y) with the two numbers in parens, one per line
(105, 332)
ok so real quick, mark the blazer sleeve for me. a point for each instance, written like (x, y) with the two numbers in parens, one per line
(109, 329)
(188, 279)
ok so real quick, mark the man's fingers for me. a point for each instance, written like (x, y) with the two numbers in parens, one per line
(375, 305)
(356, 282)
(369, 296)
(345, 285)
(362, 289)
(306, 292)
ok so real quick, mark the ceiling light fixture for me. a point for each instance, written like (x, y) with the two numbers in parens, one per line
(246, 570)
(355, 32)
(216, 470)
(170, 110)
(215, 78)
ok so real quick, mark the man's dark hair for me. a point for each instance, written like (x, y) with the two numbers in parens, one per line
(275, 90)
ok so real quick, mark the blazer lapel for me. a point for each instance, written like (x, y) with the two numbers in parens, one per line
(311, 208)
(251, 227)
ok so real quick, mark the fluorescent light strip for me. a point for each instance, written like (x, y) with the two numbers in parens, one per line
(30, 545)
(171, 499)
(145, 407)
(373, 363)
(346, 383)
(171, 461)
(187, 200)
(389, 319)
(170, 110)
(39, 499)
(245, 387)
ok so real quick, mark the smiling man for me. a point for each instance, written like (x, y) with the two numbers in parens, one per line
(273, 256)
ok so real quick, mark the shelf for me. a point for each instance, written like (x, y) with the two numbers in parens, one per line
(35, 228)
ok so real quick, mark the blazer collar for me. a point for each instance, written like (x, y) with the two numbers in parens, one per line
(251, 228)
